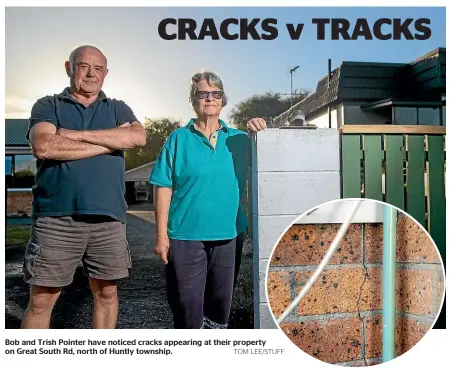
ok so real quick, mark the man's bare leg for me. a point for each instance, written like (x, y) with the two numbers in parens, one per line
(106, 303)
(39, 310)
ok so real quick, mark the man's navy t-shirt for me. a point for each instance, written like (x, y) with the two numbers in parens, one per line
(94, 185)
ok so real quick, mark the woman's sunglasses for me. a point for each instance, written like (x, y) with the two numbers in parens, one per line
(205, 94)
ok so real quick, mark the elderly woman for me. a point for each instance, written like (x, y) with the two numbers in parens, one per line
(200, 179)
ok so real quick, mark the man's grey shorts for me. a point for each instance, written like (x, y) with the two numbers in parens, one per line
(58, 244)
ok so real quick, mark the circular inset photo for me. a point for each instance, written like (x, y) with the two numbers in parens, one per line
(355, 282)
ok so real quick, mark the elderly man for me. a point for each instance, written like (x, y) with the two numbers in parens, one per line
(79, 209)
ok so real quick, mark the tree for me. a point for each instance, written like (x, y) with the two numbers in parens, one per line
(267, 106)
(157, 131)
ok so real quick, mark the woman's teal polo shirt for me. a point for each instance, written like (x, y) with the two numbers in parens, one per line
(208, 183)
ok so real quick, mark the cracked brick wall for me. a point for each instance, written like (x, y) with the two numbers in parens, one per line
(339, 320)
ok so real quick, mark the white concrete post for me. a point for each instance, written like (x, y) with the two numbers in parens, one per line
(293, 170)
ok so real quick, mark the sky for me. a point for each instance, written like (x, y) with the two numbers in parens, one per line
(152, 75)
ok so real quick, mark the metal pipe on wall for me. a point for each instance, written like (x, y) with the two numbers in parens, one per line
(389, 271)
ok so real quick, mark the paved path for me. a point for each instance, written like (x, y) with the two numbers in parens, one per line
(142, 296)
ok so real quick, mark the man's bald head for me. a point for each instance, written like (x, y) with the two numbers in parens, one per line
(74, 55)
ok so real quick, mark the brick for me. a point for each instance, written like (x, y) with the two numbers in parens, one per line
(371, 292)
(335, 291)
(439, 283)
(415, 291)
(408, 332)
(373, 243)
(343, 290)
(279, 291)
(374, 340)
(305, 244)
(413, 244)
(331, 341)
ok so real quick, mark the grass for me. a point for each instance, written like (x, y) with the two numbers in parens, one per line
(242, 305)
(17, 235)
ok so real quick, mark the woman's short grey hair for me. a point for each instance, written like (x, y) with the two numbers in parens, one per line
(73, 57)
(213, 79)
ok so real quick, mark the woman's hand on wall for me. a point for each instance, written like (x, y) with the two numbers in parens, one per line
(256, 124)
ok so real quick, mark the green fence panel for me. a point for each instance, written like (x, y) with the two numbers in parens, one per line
(351, 166)
(395, 189)
(415, 188)
(436, 180)
(373, 156)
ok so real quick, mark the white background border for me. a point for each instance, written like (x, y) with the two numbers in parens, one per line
(431, 350)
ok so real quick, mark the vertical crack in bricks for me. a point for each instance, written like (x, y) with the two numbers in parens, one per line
(363, 331)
